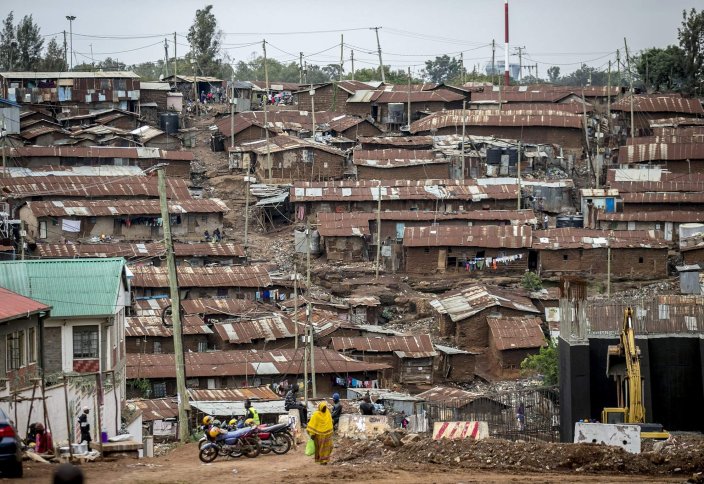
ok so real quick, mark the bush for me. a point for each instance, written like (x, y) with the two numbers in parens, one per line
(545, 363)
(531, 281)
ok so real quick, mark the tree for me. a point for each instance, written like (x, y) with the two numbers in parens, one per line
(332, 71)
(531, 281)
(662, 69)
(398, 76)
(29, 45)
(545, 363)
(585, 76)
(554, 74)
(204, 38)
(254, 71)
(442, 69)
(7, 38)
(691, 37)
(54, 57)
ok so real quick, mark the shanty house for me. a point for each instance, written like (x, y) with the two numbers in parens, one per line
(330, 96)
(128, 220)
(79, 91)
(396, 142)
(511, 340)
(682, 158)
(10, 116)
(151, 334)
(410, 357)
(462, 314)
(245, 368)
(21, 333)
(274, 331)
(454, 404)
(647, 107)
(352, 127)
(292, 159)
(479, 250)
(243, 282)
(399, 164)
(453, 364)
(571, 251)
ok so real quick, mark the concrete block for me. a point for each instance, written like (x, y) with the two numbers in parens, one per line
(619, 435)
(363, 426)
(460, 430)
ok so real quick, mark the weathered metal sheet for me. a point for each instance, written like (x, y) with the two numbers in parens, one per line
(97, 152)
(660, 103)
(516, 332)
(496, 236)
(386, 344)
(578, 238)
(140, 326)
(17, 306)
(470, 300)
(662, 216)
(111, 208)
(218, 276)
(454, 118)
(647, 152)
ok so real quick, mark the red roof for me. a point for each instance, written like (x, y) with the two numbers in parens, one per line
(660, 103)
(516, 332)
(99, 152)
(410, 346)
(15, 306)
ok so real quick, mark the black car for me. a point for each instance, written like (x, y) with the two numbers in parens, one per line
(10, 448)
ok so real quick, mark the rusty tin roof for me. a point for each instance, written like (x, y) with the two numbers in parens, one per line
(645, 152)
(92, 187)
(120, 207)
(453, 118)
(273, 327)
(16, 306)
(217, 276)
(579, 238)
(516, 332)
(140, 326)
(409, 345)
(660, 103)
(468, 301)
(497, 236)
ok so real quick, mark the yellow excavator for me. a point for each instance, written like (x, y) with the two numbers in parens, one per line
(623, 364)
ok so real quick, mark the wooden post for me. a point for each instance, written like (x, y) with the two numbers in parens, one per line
(309, 310)
(31, 405)
(68, 418)
(378, 232)
(183, 406)
(266, 113)
(464, 123)
(630, 79)
(381, 63)
(295, 305)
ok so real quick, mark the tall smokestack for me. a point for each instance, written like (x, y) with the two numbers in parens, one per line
(507, 77)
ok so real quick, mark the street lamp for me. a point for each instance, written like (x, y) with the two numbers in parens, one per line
(70, 19)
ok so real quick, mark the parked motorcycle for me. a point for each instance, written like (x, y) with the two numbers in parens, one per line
(275, 438)
(234, 443)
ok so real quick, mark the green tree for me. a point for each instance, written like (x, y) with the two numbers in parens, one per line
(204, 38)
(7, 38)
(585, 76)
(443, 68)
(554, 74)
(29, 45)
(662, 69)
(545, 363)
(398, 76)
(254, 71)
(54, 57)
(531, 281)
(691, 37)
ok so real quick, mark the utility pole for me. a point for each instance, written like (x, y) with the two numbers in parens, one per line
(342, 53)
(300, 67)
(618, 68)
(462, 67)
(378, 232)
(520, 63)
(70, 19)
(464, 124)
(608, 100)
(166, 57)
(309, 308)
(65, 51)
(92, 61)
(630, 79)
(232, 112)
(507, 76)
(352, 60)
(295, 304)
(586, 134)
(175, 60)
(518, 173)
(608, 269)
(183, 406)
(266, 112)
(493, 58)
(246, 216)
(409, 98)
(22, 235)
(378, 46)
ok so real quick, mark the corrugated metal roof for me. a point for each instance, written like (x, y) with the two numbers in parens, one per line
(675, 122)
(112, 208)
(393, 158)
(406, 141)
(528, 95)
(449, 350)
(344, 122)
(154, 86)
(278, 121)
(504, 236)
(156, 408)
(368, 190)
(268, 328)
(53, 170)
(92, 187)
(409, 345)
(660, 103)
(68, 75)
(99, 152)
(664, 197)
(217, 276)
(516, 332)
(453, 397)
(233, 394)
(15, 306)
(578, 238)
(647, 152)
(470, 300)
(286, 143)
(137, 250)
(679, 216)
(453, 118)
(139, 326)
(63, 284)
(244, 362)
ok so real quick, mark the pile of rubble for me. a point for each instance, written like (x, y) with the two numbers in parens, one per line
(645, 292)
(676, 456)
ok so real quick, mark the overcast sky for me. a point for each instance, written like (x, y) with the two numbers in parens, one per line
(553, 32)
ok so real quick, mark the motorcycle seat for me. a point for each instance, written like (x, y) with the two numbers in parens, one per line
(273, 428)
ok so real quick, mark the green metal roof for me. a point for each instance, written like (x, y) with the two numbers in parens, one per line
(74, 287)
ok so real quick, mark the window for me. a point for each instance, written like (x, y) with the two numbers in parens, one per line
(157, 347)
(85, 342)
(426, 250)
(159, 390)
(31, 345)
(204, 217)
(565, 257)
(222, 291)
(14, 344)
(202, 346)
(42, 229)
(640, 260)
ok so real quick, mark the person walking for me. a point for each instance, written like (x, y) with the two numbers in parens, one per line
(85, 426)
(336, 410)
(320, 429)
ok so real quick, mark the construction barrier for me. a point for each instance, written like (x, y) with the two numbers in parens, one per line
(363, 426)
(460, 430)
(619, 435)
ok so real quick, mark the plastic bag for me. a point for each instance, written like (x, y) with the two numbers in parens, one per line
(310, 447)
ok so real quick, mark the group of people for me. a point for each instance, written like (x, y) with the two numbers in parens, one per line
(39, 438)
(216, 237)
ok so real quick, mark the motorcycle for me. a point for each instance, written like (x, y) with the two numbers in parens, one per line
(234, 443)
(275, 438)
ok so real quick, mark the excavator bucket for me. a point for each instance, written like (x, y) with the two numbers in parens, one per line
(615, 362)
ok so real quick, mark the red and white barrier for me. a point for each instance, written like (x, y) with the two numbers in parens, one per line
(460, 430)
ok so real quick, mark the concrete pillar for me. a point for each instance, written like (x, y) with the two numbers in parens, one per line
(575, 394)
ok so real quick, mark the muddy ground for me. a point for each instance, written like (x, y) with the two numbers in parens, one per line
(423, 461)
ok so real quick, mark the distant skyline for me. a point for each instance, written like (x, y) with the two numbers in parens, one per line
(565, 33)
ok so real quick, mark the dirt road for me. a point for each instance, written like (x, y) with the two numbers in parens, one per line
(182, 466)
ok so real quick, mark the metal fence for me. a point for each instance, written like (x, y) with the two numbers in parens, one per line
(499, 410)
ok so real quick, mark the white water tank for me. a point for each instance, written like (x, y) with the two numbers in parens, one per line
(687, 230)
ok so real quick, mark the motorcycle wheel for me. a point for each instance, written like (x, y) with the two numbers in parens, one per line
(253, 449)
(201, 443)
(266, 448)
(280, 444)
(208, 454)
